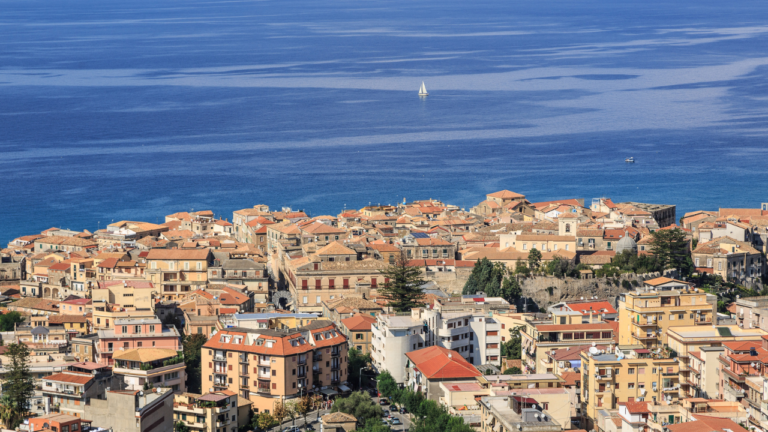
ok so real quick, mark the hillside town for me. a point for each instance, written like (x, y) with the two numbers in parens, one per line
(512, 315)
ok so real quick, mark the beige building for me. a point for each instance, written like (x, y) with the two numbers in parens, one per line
(629, 374)
(129, 294)
(338, 422)
(155, 367)
(357, 329)
(540, 242)
(132, 410)
(177, 272)
(647, 313)
(212, 412)
(269, 366)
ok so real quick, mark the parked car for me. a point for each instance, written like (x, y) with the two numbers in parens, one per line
(386, 413)
(403, 410)
(383, 401)
(396, 421)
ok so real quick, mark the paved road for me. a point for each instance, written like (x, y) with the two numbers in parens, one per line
(405, 419)
(312, 419)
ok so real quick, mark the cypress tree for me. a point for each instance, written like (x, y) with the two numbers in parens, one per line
(19, 386)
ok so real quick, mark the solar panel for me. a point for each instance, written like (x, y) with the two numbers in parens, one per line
(419, 235)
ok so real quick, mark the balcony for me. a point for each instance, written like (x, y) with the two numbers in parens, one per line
(335, 367)
(317, 371)
(334, 380)
(493, 339)
(243, 359)
(188, 409)
(302, 374)
(302, 360)
(219, 358)
(452, 331)
(317, 357)
(265, 363)
(335, 352)
(263, 390)
(670, 389)
(645, 336)
(645, 323)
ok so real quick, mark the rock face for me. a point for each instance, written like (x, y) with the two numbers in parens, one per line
(547, 290)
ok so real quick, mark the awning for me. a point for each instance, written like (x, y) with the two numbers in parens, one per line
(329, 392)
(344, 388)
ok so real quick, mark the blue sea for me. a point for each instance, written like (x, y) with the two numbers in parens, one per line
(133, 110)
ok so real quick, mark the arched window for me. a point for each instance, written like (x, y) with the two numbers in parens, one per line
(567, 227)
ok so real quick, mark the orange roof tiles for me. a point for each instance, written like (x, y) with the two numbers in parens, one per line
(438, 362)
(70, 377)
(359, 322)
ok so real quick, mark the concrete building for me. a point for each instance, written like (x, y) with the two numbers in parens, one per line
(219, 411)
(132, 410)
(135, 333)
(156, 367)
(427, 368)
(647, 313)
(177, 272)
(70, 390)
(509, 414)
(393, 337)
(357, 329)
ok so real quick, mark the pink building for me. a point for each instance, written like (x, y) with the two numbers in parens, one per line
(130, 333)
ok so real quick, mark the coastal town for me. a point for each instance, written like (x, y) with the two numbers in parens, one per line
(512, 315)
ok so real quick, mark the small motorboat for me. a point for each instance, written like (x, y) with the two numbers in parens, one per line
(629, 160)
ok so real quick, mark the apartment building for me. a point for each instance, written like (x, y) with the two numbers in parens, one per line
(177, 272)
(129, 293)
(751, 312)
(131, 333)
(647, 313)
(393, 337)
(252, 274)
(626, 375)
(70, 390)
(428, 367)
(216, 411)
(153, 367)
(733, 260)
(424, 247)
(133, 410)
(267, 366)
(699, 377)
(563, 330)
(475, 336)
(357, 329)
(509, 414)
(331, 272)
(346, 307)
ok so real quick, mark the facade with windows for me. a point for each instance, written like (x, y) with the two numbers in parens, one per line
(268, 366)
(132, 333)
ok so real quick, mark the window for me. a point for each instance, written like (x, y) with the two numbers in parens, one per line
(641, 371)
(137, 329)
(631, 371)
(525, 246)
(125, 329)
(152, 328)
(186, 265)
(318, 300)
(305, 300)
(631, 386)
(681, 316)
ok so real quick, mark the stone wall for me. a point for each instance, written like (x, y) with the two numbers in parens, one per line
(547, 290)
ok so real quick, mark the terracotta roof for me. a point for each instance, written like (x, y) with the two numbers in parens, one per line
(338, 417)
(432, 242)
(571, 378)
(108, 263)
(595, 307)
(359, 322)
(36, 303)
(178, 254)
(62, 266)
(61, 319)
(663, 280)
(589, 233)
(544, 237)
(335, 248)
(637, 407)
(438, 363)
(230, 297)
(743, 345)
(505, 194)
(145, 355)
(70, 377)
(706, 424)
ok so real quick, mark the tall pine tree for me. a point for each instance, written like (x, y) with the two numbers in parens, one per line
(670, 247)
(19, 385)
(403, 287)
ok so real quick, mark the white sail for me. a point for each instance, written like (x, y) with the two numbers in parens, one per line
(423, 89)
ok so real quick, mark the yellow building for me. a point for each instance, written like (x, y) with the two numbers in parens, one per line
(509, 322)
(357, 329)
(177, 272)
(540, 242)
(646, 314)
(129, 293)
(629, 374)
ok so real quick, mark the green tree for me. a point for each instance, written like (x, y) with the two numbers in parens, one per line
(473, 284)
(493, 284)
(264, 421)
(534, 259)
(303, 407)
(386, 384)
(512, 349)
(670, 246)
(291, 411)
(403, 288)
(280, 412)
(511, 290)
(356, 361)
(359, 405)
(19, 384)
(373, 425)
(192, 348)
(180, 427)
(9, 320)
(522, 269)
(514, 370)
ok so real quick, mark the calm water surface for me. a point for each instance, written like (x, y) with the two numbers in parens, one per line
(133, 110)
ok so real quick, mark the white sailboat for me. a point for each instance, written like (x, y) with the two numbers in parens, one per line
(423, 90)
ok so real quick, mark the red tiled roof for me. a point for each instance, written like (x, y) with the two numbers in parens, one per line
(595, 307)
(359, 322)
(637, 407)
(706, 424)
(62, 266)
(743, 345)
(70, 377)
(438, 362)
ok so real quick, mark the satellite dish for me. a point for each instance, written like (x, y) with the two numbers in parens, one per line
(593, 350)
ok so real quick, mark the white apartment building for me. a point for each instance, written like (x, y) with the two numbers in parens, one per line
(393, 336)
(476, 336)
